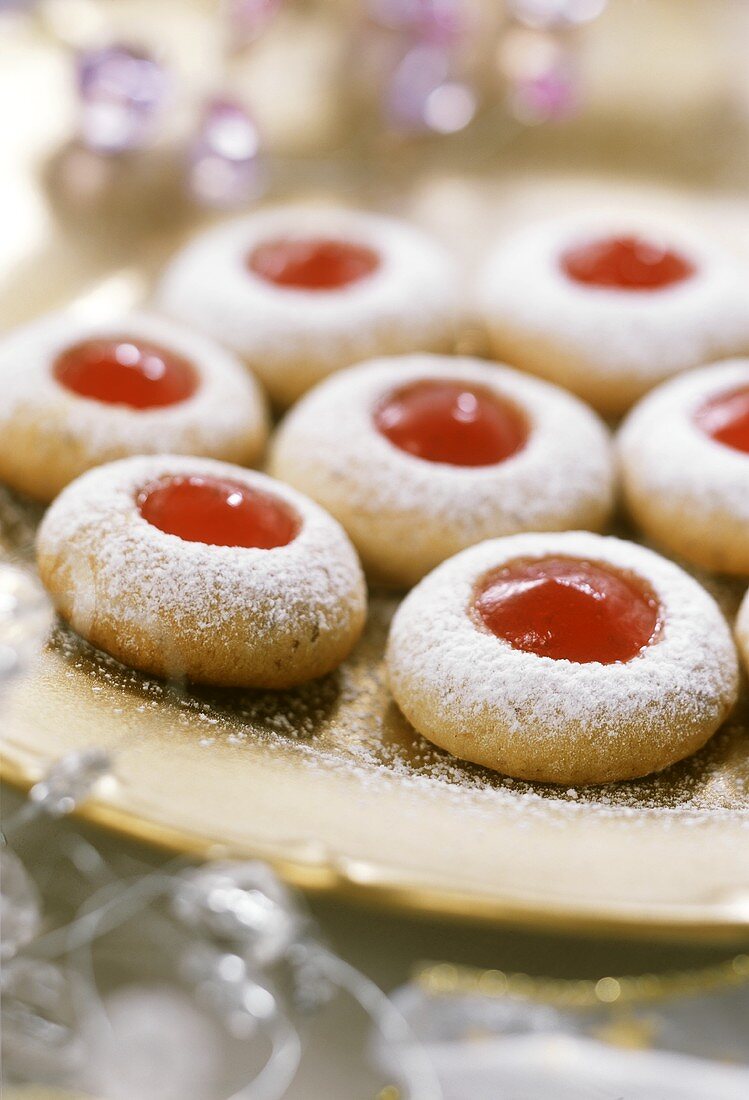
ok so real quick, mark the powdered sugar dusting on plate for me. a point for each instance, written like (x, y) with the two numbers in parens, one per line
(348, 722)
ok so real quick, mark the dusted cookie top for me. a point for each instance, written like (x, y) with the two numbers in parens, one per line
(685, 466)
(420, 456)
(302, 291)
(742, 630)
(78, 393)
(609, 305)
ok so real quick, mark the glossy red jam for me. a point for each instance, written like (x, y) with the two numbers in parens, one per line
(217, 511)
(312, 263)
(125, 371)
(626, 263)
(451, 422)
(568, 609)
(726, 419)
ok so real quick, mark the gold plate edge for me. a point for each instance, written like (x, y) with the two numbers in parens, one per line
(381, 889)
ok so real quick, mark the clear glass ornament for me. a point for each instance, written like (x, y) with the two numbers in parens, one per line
(153, 1043)
(20, 906)
(243, 903)
(25, 617)
(39, 1041)
(70, 781)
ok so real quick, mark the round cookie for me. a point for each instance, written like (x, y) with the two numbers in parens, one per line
(421, 456)
(684, 456)
(301, 291)
(78, 393)
(566, 658)
(191, 568)
(742, 629)
(609, 306)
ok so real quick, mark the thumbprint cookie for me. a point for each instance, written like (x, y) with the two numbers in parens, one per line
(299, 292)
(78, 394)
(565, 658)
(190, 568)
(421, 456)
(742, 630)
(684, 454)
(609, 307)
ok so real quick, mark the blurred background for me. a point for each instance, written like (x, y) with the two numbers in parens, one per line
(126, 122)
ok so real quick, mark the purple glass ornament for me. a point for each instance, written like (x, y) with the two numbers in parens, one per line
(122, 91)
(555, 13)
(248, 19)
(431, 20)
(224, 163)
(422, 95)
(548, 96)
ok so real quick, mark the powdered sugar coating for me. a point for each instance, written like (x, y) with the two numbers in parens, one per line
(607, 345)
(686, 490)
(742, 629)
(49, 434)
(292, 338)
(216, 614)
(405, 514)
(538, 718)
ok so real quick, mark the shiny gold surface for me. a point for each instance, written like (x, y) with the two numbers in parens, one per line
(441, 979)
(328, 782)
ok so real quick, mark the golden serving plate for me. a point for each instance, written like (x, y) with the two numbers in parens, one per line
(328, 782)
(331, 785)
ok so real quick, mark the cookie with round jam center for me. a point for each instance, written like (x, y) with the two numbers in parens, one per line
(218, 512)
(451, 422)
(626, 263)
(570, 610)
(312, 264)
(126, 371)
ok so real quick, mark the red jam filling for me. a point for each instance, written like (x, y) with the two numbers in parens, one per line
(125, 371)
(451, 422)
(568, 609)
(726, 419)
(312, 263)
(217, 511)
(625, 263)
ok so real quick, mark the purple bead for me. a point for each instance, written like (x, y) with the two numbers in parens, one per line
(224, 164)
(248, 19)
(545, 97)
(555, 13)
(422, 96)
(122, 91)
(432, 20)
(423, 69)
